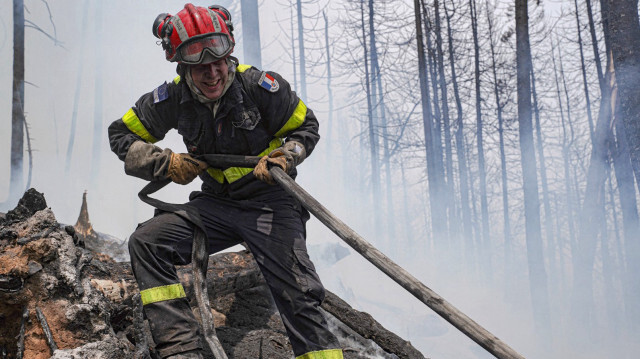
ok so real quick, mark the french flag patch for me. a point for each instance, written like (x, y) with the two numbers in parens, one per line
(268, 82)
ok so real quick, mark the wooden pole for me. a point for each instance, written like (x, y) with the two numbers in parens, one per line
(200, 260)
(462, 322)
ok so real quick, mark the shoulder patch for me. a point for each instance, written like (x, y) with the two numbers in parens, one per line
(268, 82)
(160, 94)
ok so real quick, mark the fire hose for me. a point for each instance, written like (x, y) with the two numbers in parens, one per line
(459, 320)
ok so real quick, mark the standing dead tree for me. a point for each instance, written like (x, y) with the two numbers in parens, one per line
(19, 126)
(537, 273)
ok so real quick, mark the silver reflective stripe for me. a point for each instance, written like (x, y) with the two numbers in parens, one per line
(179, 26)
(264, 223)
(214, 19)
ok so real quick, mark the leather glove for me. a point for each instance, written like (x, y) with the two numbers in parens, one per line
(183, 168)
(287, 157)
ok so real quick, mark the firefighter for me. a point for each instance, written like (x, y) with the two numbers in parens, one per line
(221, 107)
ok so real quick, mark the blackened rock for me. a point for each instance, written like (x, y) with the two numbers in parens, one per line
(70, 230)
(7, 233)
(31, 202)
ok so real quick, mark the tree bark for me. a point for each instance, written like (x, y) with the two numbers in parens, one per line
(584, 72)
(303, 74)
(543, 180)
(624, 35)
(293, 53)
(329, 87)
(432, 176)
(485, 247)
(251, 33)
(510, 279)
(448, 152)
(17, 110)
(374, 117)
(98, 105)
(594, 44)
(76, 97)
(463, 170)
(537, 273)
(436, 189)
(373, 141)
(629, 209)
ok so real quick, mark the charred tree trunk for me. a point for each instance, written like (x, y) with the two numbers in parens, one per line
(485, 248)
(628, 203)
(567, 140)
(594, 43)
(448, 152)
(589, 222)
(537, 273)
(17, 110)
(373, 142)
(251, 33)
(408, 232)
(439, 220)
(508, 245)
(543, 179)
(303, 70)
(463, 170)
(97, 106)
(293, 53)
(375, 109)
(584, 72)
(624, 35)
(329, 88)
(437, 216)
(83, 225)
(76, 97)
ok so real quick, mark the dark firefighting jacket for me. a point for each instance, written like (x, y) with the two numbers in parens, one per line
(256, 115)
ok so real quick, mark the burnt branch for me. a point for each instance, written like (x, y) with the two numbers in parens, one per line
(47, 332)
(23, 322)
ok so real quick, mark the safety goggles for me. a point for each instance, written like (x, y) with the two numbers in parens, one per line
(193, 52)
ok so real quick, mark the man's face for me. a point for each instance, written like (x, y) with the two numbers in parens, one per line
(210, 78)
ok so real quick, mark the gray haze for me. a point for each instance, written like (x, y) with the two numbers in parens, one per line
(132, 63)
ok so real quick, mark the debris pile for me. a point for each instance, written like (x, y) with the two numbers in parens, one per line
(61, 300)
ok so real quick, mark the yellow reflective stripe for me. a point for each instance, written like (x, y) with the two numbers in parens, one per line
(176, 80)
(243, 67)
(159, 294)
(216, 174)
(233, 174)
(135, 125)
(322, 354)
(296, 119)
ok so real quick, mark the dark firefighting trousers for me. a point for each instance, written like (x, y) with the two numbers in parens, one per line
(273, 230)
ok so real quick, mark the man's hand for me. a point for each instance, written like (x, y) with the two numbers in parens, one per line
(286, 157)
(183, 168)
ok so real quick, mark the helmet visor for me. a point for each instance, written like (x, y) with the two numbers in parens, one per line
(217, 45)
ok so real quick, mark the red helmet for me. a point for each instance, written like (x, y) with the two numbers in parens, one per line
(195, 31)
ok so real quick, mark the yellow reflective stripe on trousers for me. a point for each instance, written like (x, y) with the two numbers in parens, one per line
(135, 125)
(233, 174)
(159, 294)
(296, 119)
(322, 354)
